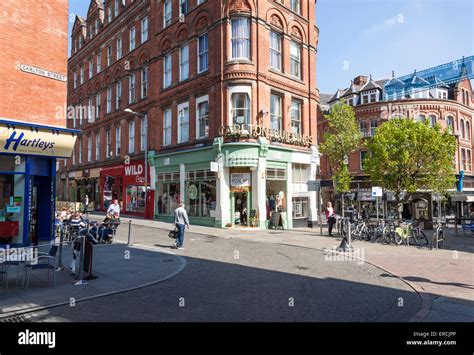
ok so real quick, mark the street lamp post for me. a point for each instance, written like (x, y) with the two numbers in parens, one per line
(146, 152)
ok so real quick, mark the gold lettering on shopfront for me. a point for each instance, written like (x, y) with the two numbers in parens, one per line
(255, 131)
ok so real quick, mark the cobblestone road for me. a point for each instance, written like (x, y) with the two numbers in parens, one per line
(243, 280)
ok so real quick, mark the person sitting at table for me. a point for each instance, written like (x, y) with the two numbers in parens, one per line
(114, 209)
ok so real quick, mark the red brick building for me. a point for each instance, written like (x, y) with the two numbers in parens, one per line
(451, 106)
(228, 82)
(33, 75)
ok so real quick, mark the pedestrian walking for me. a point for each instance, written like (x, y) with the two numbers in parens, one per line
(181, 220)
(330, 217)
(85, 203)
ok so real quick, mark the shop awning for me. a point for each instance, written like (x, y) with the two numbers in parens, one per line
(18, 137)
(463, 197)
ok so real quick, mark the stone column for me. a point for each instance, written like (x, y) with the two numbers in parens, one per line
(289, 196)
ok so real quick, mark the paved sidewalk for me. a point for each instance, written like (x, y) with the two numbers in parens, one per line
(119, 268)
(444, 278)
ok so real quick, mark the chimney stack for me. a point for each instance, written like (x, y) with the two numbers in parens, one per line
(360, 80)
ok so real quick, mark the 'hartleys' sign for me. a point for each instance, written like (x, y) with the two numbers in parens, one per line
(42, 142)
(255, 131)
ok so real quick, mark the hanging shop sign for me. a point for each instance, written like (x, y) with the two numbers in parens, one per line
(47, 142)
(240, 179)
(255, 131)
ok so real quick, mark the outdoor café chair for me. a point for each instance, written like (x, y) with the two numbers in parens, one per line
(50, 265)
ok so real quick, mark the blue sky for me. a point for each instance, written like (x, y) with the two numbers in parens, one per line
(378, 36)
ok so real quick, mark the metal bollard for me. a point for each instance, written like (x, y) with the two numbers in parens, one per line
(346, 240)
(61, 241)
(81, 280)
(129, 230)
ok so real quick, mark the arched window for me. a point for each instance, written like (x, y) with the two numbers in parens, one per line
(450, 123)
(463, 130)
(420, 118)
(468, 130)
(432, 120)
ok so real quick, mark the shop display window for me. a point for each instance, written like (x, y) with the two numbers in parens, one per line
(12, 191)
(201, 193)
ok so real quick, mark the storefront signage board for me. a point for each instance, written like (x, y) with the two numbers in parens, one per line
(42, 142)
(240, 179)
(377, 191)
(255, 131)
(314, 185)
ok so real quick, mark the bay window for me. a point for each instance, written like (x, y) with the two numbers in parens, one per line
(240, 108)
(240, 38)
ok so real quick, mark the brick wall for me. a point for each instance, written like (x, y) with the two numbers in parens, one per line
(33, 33)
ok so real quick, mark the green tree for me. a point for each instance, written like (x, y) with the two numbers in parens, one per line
(341, 138)
(408, 156)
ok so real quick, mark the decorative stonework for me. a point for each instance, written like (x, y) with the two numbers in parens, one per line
(276, 21)
(166, 45)
(201, 22)
(240, 5)
(295, 32)
(182, 35)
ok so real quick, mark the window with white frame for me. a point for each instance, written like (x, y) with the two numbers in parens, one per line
(109, 100)
(421, 118)
(183, 122)
(183, 7)
(365, 98)
(373, 127)
(202, 116)
(81, 71)
(203, 53)
(363, 128)
(91, 68)
(276, 112)
(119, 48)
(109, 55)
(463, 159)
(167, 13)
(132, 38)
(81, 112)
(167, 70)
(463, 129)
(144, 87)
(131, 89)
(108, 144)
(143, 132)
(144, 30)
(116, 9)
(131, 137)
(240, 108)
(89, 148)
(199, 2)
(296, 117)
(468, 130)
(97, 146)
(295, 59)
(184, 62)
(300, 173)
(118, 140)
(240, 38)
(97, 106)
(295, 6)
(432, 120)
(275, 50)
(90, 110)
(450, 123)
(469, 160)
(118, 95)
(99, 61)
(96, 26)
(373, 97)
(167, 126)
(109, 14)
(80, 150)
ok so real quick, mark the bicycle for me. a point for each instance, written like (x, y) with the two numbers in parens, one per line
(403, 232)
(419, 236)
(438, 236)
(379, 231)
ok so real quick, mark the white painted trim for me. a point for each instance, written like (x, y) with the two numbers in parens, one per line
(200, 100)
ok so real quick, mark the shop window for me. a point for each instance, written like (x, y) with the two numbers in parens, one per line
(300, 207)
(135, 199)
(201, 194)
(276, 174)
(12, 192)
(168, 194)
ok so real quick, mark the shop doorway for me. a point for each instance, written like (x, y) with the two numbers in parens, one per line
(240, 207)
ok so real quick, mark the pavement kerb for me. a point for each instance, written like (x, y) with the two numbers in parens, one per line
(168, 276)
(426, 300)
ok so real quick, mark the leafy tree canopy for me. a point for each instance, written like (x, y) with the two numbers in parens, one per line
(408, 156)
(341, 138)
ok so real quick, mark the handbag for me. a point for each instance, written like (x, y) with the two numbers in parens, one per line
(173, 234)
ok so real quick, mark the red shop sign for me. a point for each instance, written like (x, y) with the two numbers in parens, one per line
(134, 173)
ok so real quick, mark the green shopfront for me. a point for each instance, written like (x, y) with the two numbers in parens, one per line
(237, 184)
